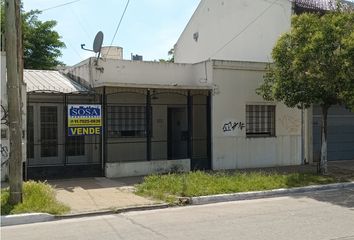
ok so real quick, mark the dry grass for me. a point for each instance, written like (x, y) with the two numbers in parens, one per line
(170, 186)
(37, 197)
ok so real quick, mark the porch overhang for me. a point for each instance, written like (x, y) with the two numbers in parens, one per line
(153, 86)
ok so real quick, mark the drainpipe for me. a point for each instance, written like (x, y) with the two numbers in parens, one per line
(104, 131)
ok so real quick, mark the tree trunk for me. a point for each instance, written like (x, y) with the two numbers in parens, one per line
(323, 163)
(14, 103)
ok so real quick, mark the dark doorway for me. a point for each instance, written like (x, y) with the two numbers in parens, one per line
(177, 133)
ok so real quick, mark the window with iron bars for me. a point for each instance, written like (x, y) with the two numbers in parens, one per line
(260, 120)
(126, 121)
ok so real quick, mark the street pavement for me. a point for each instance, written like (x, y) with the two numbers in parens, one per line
(322, 215)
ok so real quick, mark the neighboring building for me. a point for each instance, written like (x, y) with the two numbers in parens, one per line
(241, 30)
(5, 141)
(236, 30)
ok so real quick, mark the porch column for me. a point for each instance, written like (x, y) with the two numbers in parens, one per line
(65, 128)
(209, 132)
(104, 132)
(148, 125)
(190, 125)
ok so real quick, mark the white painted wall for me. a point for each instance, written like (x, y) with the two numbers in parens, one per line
(235, 84)
(128, 169)
(247, 29)
(80, 72)
(114, 52)
(4, 144)
(5, 133)
(124, 73)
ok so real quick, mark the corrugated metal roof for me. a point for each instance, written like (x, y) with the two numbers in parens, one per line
(50, 81)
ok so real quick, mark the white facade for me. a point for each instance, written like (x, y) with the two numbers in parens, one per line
(235, 84)
(126, 83)
(126, 73)
(239, 30)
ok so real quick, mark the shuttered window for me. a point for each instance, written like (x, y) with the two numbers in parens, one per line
(126, 121)
(260, 120)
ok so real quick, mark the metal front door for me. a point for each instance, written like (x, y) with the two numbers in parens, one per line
(177, 133)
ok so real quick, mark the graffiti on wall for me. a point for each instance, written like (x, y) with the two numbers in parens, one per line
(233, 127)
(4, 151)
(4, 115)
(4, 145)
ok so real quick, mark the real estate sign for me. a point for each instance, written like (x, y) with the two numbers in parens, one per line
(84, 120)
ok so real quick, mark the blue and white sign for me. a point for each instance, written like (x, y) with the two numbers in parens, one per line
(84, 120)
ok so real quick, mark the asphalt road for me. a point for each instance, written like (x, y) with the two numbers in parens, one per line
(319, 215)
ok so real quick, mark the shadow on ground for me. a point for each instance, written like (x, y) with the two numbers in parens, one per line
(95, 183)
(340, 197)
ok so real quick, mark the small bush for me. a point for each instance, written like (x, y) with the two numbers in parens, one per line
(37, 197)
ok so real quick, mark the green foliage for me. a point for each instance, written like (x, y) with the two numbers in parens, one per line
(41, 43)
(314, 62)
(172, 54)
(37, 197)
(169, 187)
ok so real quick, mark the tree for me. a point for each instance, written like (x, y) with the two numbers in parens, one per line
(171, 53)
(42, 44)
(314, 64)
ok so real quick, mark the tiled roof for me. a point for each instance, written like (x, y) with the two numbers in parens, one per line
(320, 4)
(50, 81)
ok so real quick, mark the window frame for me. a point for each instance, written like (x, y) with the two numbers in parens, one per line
(132, 133)
(263, 111)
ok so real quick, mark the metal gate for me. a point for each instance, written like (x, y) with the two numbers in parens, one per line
(340, 133)
(51, 153)
(158, 124)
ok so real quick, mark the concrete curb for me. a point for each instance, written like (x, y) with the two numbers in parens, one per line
(9, 220)
(17, 219)
(264, 194)
(113, 211)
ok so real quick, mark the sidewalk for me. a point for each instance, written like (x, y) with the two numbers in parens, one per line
(99, 194)
(342, 170)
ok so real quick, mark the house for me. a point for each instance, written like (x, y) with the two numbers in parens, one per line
(115, 118)
(190, 125)
(241, 30)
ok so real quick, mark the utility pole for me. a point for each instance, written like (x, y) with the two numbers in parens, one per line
(14, 99)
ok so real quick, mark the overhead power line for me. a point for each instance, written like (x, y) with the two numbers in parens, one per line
(60, 5)
(119, 23)
(245, 28)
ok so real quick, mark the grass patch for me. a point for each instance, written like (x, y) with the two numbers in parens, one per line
(170, 186)
(37, 197)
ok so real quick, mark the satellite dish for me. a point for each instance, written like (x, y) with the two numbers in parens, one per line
(97, 43)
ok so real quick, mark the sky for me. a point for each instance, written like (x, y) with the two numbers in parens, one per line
(149, 28)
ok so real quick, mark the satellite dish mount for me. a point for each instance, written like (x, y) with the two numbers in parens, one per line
(97, 44)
